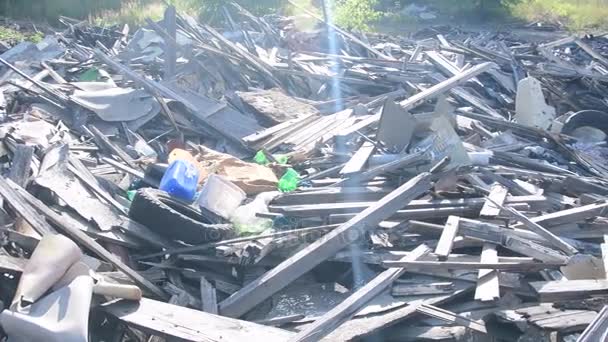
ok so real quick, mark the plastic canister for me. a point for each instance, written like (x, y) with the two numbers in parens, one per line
(180, 180)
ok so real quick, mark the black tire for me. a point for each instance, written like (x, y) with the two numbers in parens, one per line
(175, 219)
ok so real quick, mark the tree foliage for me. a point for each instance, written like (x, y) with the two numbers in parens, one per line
(355, 14)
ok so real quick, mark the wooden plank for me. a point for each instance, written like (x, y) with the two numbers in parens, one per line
(180, 299)
(409, 289)
(580, 186)
(403, 161)
(97, 189)
(463, 265)
(550, 237)
(170, 49)
(276, 321)
(423, 333)
(359, 159)
(534, 250)
(19, 204)
(104, 142)
(517, 240)
(347, 308)
(80, 237)
(307, 258)
(488, 287)
(604, 247)
(325, 201)
(498, 194)
(444, 246)
(21, 164)
(364, 326)
(172, 321)
(573, 215)
(598, 329)
(448, 84)
(588, 49)
(208, 297)
(450, 317)
(569, 289)
(513, 187)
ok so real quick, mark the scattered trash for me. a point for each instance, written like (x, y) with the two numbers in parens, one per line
(447, 185)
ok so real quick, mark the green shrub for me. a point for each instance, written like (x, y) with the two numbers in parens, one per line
(355, 14)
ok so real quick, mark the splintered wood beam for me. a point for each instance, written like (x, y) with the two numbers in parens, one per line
(20, 205)
(498, 194)
(573, 215)
(534, 250)
(446, 85)
(348, 307)
(559, 290)
(488, 287)
(183, 324)
(450, 317)
(289, 270)
(359, 159)
(463, 265)
(444, 246)
(538, 229)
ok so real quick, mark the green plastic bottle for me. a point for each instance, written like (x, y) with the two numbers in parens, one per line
(289, 181)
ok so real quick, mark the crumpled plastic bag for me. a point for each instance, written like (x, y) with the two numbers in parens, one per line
(244, 219)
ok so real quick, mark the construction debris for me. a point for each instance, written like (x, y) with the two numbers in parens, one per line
(255, 181)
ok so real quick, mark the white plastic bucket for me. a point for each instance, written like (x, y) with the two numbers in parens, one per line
(220, 196)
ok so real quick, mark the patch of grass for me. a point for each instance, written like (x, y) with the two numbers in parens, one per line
(13, 36)
(575, 14)
(133, 13)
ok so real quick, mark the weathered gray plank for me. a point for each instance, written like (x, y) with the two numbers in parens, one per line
(332, 319)
(172, 321)
(444, 246)
(488, 287)
(498, 194)
(208, 297)
(359, 159)
(303, 261)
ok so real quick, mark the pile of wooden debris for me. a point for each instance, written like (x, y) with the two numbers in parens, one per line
(448, 185)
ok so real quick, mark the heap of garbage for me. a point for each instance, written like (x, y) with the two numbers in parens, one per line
(260, 181)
